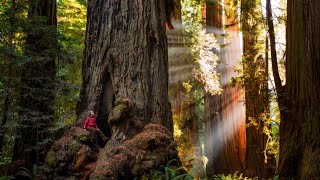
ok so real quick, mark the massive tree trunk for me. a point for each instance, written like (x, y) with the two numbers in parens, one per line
(256, 91)
(126, 59)
(125, 80)
(37, 92)
(225, 113)
(125, 75)
(300, 129)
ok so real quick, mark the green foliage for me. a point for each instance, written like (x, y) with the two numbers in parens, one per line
(206, 51)
(191, 15)
(234, 176)
(272, 134)
(12, 24)
(254, 75)
(272, 147)
(6, 177)
(201, 53)
(183, 117)
(27, 44)
(185, 122)
(83, 2)
(4, 160)
(50, 159)
(170, 172)
(71, 25)
(203, 47)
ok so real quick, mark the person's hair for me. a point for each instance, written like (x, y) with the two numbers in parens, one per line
(89, 115)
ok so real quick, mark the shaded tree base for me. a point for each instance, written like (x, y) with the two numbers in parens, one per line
(75, 155)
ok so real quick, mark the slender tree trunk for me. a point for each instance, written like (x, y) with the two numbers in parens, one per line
(274, 58)
(274, 61)
(37, 92)
(300, 129)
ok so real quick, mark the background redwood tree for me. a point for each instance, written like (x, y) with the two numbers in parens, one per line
(38, 71)
(255, 81)
(225, 112)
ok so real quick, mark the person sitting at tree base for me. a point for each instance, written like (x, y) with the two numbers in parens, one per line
(91, 125)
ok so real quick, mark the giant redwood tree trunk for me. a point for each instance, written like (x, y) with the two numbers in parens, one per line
(126, 59)
(300, 129)
(125, 80)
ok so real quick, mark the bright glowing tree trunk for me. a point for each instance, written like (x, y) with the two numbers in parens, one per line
(225, 113)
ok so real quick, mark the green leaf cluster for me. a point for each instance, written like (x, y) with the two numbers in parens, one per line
(71, 26)
(169, 172)
(234, 176)
(27, 44)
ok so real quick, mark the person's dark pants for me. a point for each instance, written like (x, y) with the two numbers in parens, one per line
(98, 132)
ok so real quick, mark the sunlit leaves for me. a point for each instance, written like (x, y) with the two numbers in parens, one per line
(191, 14)
(71, 25)
(206, 71)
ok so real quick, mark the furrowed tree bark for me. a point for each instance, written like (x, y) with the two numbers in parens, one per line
(125, 73)
(300, 129)
(125, 81)
(37, 89)
(126, 59)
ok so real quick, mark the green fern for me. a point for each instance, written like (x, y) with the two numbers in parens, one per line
(234, 176)
(170, 173)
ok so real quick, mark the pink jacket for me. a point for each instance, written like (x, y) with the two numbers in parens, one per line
(90, 122)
